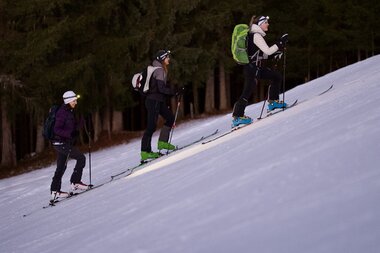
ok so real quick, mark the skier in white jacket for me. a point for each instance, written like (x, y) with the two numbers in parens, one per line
(258, 49)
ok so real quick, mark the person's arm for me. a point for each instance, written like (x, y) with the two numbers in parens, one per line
(263, 46)
(159, 75)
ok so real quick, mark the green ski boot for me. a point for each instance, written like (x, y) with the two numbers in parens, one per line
(165, 145)
(149, 156)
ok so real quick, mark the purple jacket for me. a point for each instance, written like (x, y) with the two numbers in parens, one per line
(65, 124)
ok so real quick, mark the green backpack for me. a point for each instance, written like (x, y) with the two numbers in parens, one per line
(239, 45)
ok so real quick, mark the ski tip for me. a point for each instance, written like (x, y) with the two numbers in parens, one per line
(331, 86)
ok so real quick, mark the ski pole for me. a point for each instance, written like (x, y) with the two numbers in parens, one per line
(283, 79)
(89, 150)
(262, 109)
(175, 118)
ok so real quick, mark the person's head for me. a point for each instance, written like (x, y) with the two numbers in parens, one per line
(163, 56)
(261, 21)
(70, 98)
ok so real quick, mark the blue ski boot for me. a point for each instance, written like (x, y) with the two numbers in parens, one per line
(245, 120)
(276, 104)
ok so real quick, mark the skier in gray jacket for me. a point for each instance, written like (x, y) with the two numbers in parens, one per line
(155, 104)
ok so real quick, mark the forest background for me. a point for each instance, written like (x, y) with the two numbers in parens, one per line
(95, 46)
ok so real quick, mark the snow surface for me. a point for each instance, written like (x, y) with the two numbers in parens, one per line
(304, 180)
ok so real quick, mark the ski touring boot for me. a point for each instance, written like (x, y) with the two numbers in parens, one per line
(237, 121)
(276, 104)
(55, 196)
(165, 145)
(79, 186)
(147, 156)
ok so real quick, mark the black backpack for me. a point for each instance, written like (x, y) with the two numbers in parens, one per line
(140, 81)
(48, 131)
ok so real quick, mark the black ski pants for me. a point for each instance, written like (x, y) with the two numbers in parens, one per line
(154, 109)
(251, 74)
(64, 152)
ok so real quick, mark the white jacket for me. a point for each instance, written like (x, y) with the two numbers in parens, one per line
(259, 41)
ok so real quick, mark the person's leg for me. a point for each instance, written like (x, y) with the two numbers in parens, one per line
(167, 114)
(274, 91)
(76, 176)
(275, 77)
(249, 85)
(62, 157)
(163, 140)
(152, 107)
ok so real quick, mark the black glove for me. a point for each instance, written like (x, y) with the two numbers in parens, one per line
(281, 43)
(180, 91)
(277, 55)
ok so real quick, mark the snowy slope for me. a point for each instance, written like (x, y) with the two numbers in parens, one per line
(304, 180)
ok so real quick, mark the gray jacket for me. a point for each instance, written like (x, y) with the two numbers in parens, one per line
(158, 87)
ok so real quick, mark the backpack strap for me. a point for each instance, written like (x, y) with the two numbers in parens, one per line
(252, 49)
(150, 71)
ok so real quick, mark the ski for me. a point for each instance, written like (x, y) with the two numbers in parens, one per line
(131, 170)
(55, 202)
(226, 133)
(72, 195)
(245, 125)
(332, 85)
(294, 103)
(199, 140)
(275, 111)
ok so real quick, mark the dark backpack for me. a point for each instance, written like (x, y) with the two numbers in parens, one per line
(48, 131)
(140, 81)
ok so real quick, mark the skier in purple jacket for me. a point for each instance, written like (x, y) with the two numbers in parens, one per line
(66, 129)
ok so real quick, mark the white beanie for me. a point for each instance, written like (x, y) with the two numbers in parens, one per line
(69, 96)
